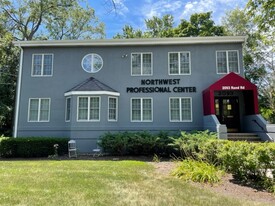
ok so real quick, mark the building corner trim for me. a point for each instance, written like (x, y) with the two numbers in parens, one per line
(18, 92)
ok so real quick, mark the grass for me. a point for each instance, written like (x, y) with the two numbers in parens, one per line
(97, 183)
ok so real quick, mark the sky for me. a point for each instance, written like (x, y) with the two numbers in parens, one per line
(134, 12)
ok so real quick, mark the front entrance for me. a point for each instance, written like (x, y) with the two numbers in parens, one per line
(228, 113)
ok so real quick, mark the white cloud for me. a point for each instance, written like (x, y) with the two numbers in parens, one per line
(121, 8)
(160, 8)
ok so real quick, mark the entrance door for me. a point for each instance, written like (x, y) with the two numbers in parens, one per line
(227, 112)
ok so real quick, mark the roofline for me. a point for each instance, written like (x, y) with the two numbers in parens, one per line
(72, 93)
(132, 42)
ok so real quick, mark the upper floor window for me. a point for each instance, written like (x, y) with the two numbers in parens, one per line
(142, 64)
(179, 63)
(141, 109)
(227, 61)
(112, 109)
(180, 109)
(42, 64)
(88, 109)
(39, 110)
(92, 63)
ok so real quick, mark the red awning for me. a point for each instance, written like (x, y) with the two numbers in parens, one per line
(230, 82)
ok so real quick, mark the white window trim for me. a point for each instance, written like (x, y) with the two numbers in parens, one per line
(66, 106)
(39, 104)
(112, 120)
(42, 65)
(170, 115)
(89, 99)
(152, 66)
(227, 63)
(141, 109)
(92, 63)
(178, 52)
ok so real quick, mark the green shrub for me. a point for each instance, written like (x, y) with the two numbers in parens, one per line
(32, 146)
(136, 143)
(188, 144)
(198, 171)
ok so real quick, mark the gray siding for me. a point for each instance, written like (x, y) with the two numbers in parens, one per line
(116, 73)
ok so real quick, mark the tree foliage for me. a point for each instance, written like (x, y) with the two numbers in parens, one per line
(199, 24)
(258, 54)
(9, 60)
(51, 19)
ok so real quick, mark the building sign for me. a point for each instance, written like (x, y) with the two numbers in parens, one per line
(160, 86)
(233, 87)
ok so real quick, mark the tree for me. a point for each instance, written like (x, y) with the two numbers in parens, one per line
(28, 19)
(200, 24)
(9, 60)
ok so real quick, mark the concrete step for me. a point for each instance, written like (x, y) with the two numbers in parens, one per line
(250, 137)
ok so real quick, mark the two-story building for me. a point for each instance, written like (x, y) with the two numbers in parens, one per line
(82, 89)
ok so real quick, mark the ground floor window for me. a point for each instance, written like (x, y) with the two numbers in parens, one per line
(141, 109)
(39, 110)
(88, 109)
(180, 109)
(112, 108)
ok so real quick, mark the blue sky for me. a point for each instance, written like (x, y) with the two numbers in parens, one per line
(134, 12)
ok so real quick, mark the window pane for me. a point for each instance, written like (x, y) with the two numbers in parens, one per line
(68, 109)
(147, 110)
(94, 108)
(136, 110)
(112, 108)
(147, 64)
(173, 63)
(233, 61)
(83, 108)
(136, 64)
(97, 63)
(33, 112)
(37, 64)
(184, 63)
(175, 109)
(186, 109)
(44, 109)
(221, 62)
(48, 60)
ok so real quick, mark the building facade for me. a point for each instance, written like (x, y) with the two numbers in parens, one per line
(83, 89)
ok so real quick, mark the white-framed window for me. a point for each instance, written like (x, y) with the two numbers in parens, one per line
(68, 109)
(141, 109)
(227, 61)
(142, 64)
(180, 109)
(179, 63)
(88, 108)
(92, 63)
(112, 108)
(39, 110)
(42, 65)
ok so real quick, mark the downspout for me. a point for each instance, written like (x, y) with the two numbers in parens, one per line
(18, 92)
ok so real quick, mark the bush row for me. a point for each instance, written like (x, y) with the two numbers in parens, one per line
(136, 143)
(32, 146)
(247, 161)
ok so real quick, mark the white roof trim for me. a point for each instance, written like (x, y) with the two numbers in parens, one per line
(131, 42)
(91, 93)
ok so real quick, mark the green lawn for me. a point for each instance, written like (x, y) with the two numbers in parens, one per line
(109, 183)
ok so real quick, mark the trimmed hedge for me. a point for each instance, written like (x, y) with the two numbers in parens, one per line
(136, 143)
(32, 146)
